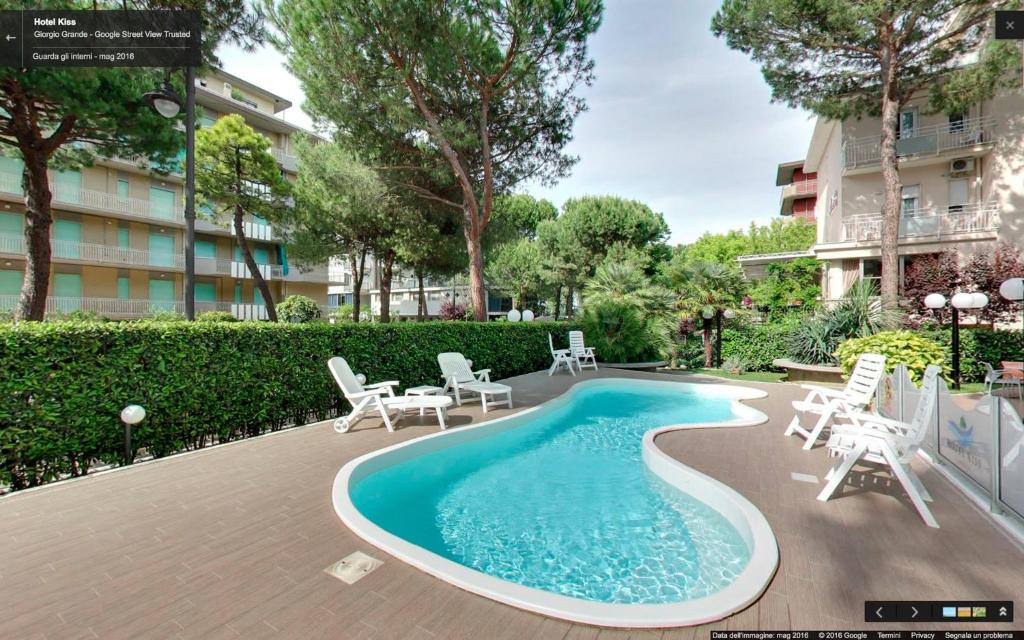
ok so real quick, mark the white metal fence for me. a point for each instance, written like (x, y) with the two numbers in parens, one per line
(922, 141)
(926, 222)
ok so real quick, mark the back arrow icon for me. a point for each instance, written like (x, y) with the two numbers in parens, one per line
(10, 37)
(879, 613)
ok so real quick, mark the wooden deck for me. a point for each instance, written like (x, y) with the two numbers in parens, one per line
(232, 542)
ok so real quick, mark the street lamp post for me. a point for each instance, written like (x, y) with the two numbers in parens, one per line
(959, 301)
(167, 103)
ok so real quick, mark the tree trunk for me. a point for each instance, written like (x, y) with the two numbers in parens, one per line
(254, 269)
(709, 351)
(38, 219)
(569, 311)
(890, 173)
(522, 298)
(386, 271)
(477, 296)
(558, 300)
(421, 307)
(358, 264)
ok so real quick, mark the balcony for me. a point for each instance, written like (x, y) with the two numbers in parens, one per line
(287, 161)
(319, 274)
(89, 200)
(96, 253)
(933, 224)
(800, 189)
(234, 269)
(923, 142)
(119, 308)
(256, 231)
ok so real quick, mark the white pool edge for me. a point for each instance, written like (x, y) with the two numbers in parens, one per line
(740, 512)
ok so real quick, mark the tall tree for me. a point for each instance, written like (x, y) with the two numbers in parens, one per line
(490, 84)
(61, 118)
(236, 174)
(342, 207)
(515, 267)
(842, 59)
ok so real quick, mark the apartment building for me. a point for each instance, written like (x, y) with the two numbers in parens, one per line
(118, 233)
(799, 190)
(405, 292)
(962, 186)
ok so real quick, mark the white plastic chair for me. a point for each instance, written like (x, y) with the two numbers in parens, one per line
(559, 358)
(459, 377)
(877, 440)
(379, 397)
(998, 376)
(827, 403)
(583, 355)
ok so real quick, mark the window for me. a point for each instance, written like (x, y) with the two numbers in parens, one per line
(911, 198)
(238, 293)
(161, 202)
(206, 292)
(11, 170)
(123, 288)
(69, 287)
(10, 223)
(957, 195)
(68, 186)
(123, 238)
(67, 239)
(259, 254)
(10, 288)
(206, 121)
(956, 122)
(257, 297)
(206, 249)
(122, 187)
(161, 250)
(161, 294)
(908, 123)
(871, 269)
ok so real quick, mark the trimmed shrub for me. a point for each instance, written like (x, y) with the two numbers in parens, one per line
(298, 309)
(451, 310)
(898, 347)
(215, 316)
(64, 384)
(618, 332)
(977, 346)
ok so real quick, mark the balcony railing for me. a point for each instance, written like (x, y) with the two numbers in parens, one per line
(99, 201)
(971, 218)
(801, 188)
(922, 141)
(255, 231)
(234, 269)
(118, 308)
(96, 253)
(287, 161)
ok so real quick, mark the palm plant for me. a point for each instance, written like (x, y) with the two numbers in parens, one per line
(705, 290)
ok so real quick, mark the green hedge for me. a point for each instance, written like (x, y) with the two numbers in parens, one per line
(977, 346)
(64, 384)
(755, 344)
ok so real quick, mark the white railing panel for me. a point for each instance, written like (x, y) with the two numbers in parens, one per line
(926, 222)
(922, 141)
(1011, 457)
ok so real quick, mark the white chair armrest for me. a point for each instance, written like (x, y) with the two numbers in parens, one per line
(872, 421)
(388, 385)
(366, 394)
(828, 392)
(483, 375)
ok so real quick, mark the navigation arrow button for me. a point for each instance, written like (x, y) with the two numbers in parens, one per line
(10, 37)
(914, 609)
(879, 613)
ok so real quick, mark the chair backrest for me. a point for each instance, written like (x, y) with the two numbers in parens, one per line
(576, 342)
(925, 410)
(865, 378)
(453, 364)
(551, 345)
(990, 372)
(343, 376)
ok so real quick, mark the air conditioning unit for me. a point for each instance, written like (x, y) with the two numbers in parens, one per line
(961, 165)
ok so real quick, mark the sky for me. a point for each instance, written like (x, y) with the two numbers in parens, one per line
(676, 119)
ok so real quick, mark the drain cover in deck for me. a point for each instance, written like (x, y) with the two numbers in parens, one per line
(353, 567)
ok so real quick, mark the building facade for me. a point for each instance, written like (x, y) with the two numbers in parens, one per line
(799, 190)
(118, 232)
(962, 186)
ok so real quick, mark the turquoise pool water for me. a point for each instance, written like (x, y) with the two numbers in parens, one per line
(564, 502)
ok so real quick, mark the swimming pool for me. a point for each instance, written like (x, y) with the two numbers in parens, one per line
(569, 510)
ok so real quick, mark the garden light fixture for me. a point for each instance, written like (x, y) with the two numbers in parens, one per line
(936, 301)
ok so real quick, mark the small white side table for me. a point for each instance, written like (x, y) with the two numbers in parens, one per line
(424, 390)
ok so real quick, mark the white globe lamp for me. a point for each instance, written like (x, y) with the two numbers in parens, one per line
(935, 301)
(1012, 289)
(729, 314)
(527, 315)
(514, 315)
(963, 300)
(133, 414)
(980, 300)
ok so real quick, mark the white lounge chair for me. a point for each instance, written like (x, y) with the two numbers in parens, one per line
(877, 440)
(379, 397)
(827, 403)
(998, 376)
(559, 358)
(583, 355)
(460, 378)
